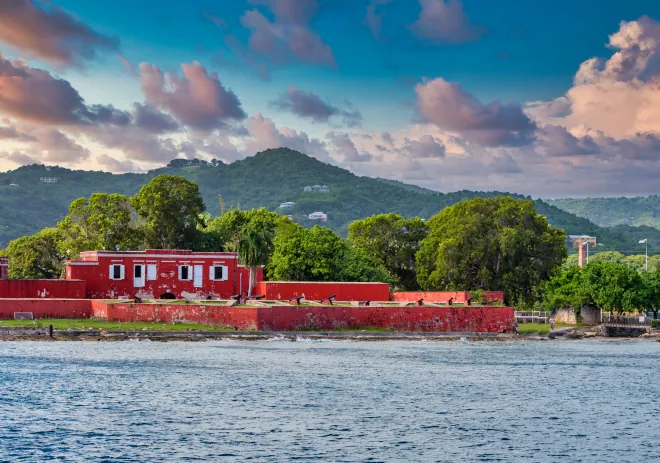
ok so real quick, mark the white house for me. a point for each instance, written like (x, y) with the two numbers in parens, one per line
(321, 216)
(324, 189)
(307, 188)
(49, 179)
(287, 205)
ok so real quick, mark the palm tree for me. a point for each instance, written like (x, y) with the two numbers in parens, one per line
(254, 249)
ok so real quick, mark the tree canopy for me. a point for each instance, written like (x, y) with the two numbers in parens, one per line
(35, 256)
(490, 244)
(254, 249)
(393, 241)
(170, 209)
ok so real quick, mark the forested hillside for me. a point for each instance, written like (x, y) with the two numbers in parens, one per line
(264, 180)
(609, 212)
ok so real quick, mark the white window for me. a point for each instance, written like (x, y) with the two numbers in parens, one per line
(185, 273)
(151, 271)
(138, 275)
(218, 273)
(116, 272)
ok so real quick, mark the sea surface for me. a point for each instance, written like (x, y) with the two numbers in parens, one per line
(332, 401)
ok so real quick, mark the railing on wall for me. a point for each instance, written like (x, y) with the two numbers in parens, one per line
(532, 317)
(626, 320)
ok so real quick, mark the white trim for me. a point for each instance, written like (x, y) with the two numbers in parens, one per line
(163, 256)
(117, 260)
(81, 263)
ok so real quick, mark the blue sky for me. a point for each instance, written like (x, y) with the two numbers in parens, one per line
(488, 59)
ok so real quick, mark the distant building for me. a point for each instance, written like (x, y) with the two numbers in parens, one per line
(49, 179)
(4, 268)
(13, 184)
(320, 216)
(287, 205)
(318, 188)
(290, 217)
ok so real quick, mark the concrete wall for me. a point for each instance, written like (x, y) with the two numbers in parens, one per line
(565, 316)
(46, 308)
(344, 291)
(50, 289)
(443, 296)
(591, 315)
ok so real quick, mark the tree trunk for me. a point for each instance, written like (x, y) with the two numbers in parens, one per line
(253, 275)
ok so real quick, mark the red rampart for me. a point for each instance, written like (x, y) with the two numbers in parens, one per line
(44, 289)
(444, 296)
(316, 291)
(46, 308)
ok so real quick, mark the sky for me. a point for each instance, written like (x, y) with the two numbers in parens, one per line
(548, 99)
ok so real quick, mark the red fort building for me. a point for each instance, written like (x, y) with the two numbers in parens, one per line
(160, 274)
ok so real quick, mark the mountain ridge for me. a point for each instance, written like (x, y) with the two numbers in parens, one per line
(266, 179)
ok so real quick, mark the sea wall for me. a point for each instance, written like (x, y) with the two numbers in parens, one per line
(46, 308)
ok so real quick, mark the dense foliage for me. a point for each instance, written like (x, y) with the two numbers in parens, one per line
(610, 212)
(491, 244)
(170, 209)
(318, 254)
(36, 256)
(393, 241)
(254, 249)
(611, 286)
(264, 180)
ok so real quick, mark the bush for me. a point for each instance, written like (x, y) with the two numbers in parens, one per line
(655, 324)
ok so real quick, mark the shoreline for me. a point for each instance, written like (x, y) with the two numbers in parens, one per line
(42, 334)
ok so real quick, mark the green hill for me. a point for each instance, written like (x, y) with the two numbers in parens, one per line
(610, 212)
(264, 180)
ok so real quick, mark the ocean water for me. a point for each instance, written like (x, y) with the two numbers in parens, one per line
(333, 401)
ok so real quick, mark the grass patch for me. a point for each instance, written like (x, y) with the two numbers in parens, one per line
(539, 328)
(89, 324)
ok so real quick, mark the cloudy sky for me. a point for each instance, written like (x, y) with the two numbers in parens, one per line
(548, 98)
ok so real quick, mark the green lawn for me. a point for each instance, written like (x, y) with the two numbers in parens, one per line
(540, 328)
(88, 324)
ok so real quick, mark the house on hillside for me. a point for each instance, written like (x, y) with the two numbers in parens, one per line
(320, 216)
(287, 205)
(307, 188)
(49, 179)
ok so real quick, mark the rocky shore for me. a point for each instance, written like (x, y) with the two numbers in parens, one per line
(43, 334)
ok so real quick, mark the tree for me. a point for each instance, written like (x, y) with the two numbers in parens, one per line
(35, 256)
(170, 209)
(613, 287)
(230, 226)
(318, 254)
(393, 240)
(608, 256)
(566, 289)
(650, 293)
(491, 244)
(100, 222)
(254, 249)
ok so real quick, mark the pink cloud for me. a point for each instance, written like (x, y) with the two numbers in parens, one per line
(42, 30)
(444, 21)
(198, 99)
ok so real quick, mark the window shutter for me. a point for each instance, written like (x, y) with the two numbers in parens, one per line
(112, 272)
(212, 273)
(121, 272)
(151, 271)
(179, 272)
(225, 273)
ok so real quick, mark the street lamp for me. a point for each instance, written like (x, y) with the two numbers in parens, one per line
(587, 243)
(645, 242)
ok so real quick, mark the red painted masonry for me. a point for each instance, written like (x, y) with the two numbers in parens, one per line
(46, 308)
(444, 296)
(43, 289)
(158, 273)
(315, 291)
(280, 318)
